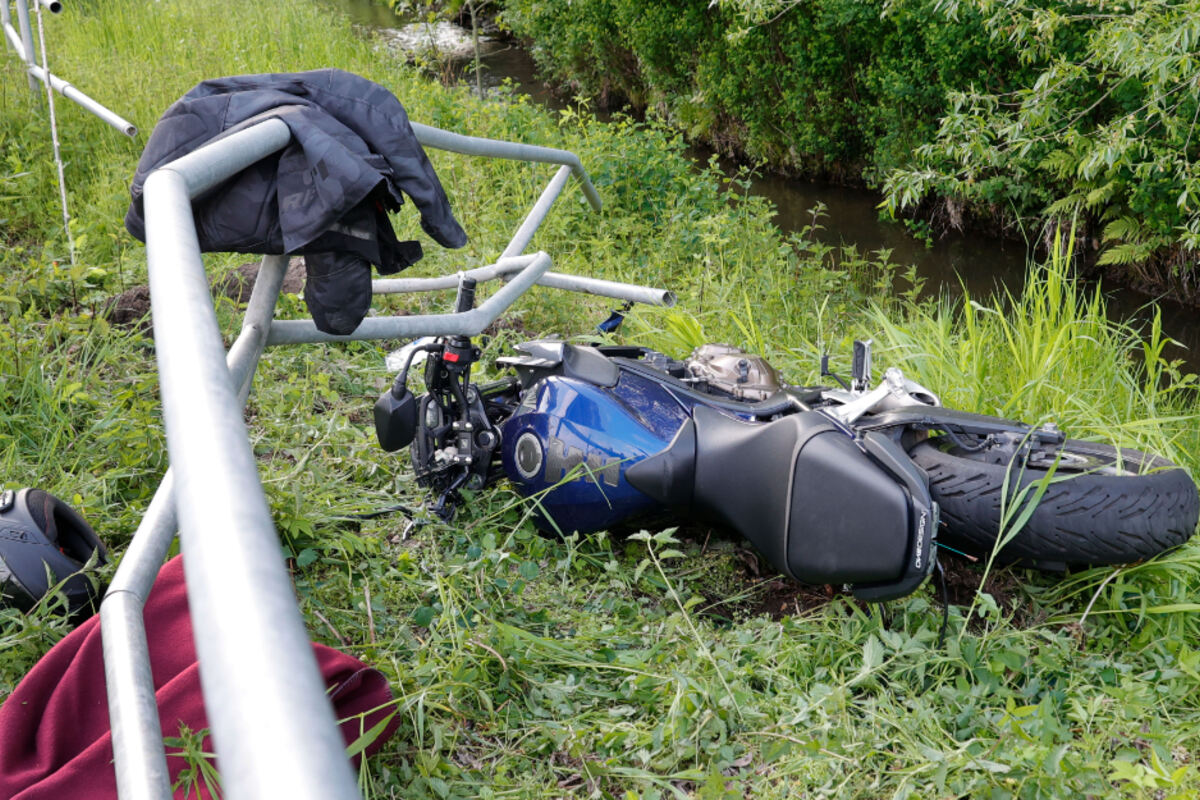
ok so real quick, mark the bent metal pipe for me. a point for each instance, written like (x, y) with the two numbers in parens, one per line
(21, 42)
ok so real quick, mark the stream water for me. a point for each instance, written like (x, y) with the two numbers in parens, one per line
(979, 262)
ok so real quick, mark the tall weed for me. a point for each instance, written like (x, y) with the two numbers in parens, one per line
(1050, 352)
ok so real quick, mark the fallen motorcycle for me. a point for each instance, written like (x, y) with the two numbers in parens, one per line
(849, 485)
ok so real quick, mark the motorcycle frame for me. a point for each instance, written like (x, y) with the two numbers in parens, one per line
(273, 727)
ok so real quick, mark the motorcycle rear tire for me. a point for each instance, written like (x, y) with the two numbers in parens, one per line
(1117, 507)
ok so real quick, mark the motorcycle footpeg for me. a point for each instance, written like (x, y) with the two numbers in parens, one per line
(396, 419)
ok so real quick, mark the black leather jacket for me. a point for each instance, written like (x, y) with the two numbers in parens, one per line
(353, 157)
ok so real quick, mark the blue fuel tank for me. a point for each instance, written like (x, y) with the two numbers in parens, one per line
(571, 441)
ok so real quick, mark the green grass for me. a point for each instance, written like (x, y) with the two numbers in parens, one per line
(1050, 352)
(527, 666)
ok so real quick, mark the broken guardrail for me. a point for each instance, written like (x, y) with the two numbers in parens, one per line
(22, 42)
(272, 726)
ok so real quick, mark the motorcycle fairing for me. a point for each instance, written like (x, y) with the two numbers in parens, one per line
(820, 504)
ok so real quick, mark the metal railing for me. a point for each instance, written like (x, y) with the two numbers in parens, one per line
(21, 40)
(272, 726)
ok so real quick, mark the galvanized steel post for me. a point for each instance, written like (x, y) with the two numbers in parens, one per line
(494, 148)
(79, 98)
(10, 34)
(464, 323)
(602, 288)
(22, 43)
(26, 39)
(271, 721)
(537, 214)
(133, 713)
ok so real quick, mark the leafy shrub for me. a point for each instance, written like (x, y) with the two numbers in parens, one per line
(1011, 113)
(834, 87)
(1102, 128)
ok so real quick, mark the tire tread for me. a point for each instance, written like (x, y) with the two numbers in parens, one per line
(1089, 519)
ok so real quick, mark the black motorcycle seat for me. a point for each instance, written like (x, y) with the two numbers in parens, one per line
(803, 492)
(740, 471)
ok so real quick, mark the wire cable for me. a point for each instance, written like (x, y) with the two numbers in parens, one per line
(62, 181)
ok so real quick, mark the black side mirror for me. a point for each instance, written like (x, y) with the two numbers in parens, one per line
(396, 418)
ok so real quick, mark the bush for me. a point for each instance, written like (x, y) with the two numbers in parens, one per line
(1103, 130)
(1011, 114)
(835, 87)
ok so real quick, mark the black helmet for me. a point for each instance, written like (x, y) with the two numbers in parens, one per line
(44, 541)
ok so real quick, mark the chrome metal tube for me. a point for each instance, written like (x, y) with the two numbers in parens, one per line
(79, 98)
(136, 729)
(494, 148)
(26, 38)
(273, 726)
(541, 208)
(53, 6)
(466, 323)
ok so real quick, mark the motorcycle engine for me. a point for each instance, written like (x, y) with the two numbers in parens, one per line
(733, 371)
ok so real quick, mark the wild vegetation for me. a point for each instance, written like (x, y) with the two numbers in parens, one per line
(833, 88)
(1006, 115)
(1103, 130)
(664, 664)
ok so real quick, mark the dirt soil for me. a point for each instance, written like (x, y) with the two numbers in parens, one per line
(778, 597)
(757, 586)
(131, 308)
(963, 576)
(782, 597)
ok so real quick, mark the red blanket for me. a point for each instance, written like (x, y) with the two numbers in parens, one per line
(55, 740)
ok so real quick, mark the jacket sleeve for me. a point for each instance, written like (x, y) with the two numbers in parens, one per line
(375, 114)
